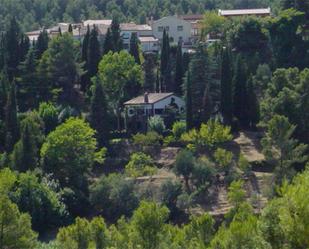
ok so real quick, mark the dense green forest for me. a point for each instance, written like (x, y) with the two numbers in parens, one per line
(74, 176)
(32, 14)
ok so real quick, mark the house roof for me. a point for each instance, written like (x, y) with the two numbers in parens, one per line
(106, 22)
(240, 12)
(192, 18)
(152, 98)
(148, 39)
(173, 17)
(135, 27)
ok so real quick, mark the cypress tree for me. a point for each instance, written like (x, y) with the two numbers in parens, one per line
(178, 71)
(94, 53)
(226, 87)
(253, 110)
(108, 42)
(24, 46)
(189, 116)
(59, 31)
(149, 72)
(4, 85)
(12, 49)
(240, 92)
(42, 43)
(70, 29)
(98, 113)
(85, 77)
(134, 49)
(165, 69)
(11, 121)
(116, 38)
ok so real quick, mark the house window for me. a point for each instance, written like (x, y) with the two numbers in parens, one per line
(167, 28)
(179, 28)
(160, 29)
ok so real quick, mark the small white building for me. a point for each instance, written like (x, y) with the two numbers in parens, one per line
(149, 44)
(127, 29)
(245, 12)
(178, 29)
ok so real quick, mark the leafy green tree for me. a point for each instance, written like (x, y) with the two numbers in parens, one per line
(179, 72)
(117, 72)
(134, 48)
(15, 229)
(69, 153)
(148, 221)
(212, 24)
(223, 158)
(11, 121)
(114, 196)
(140, 164)
(237, 194)
(184, 165)
(279, 146)
(49, 114)
(100, 233)
(226, 86)
(99, 118)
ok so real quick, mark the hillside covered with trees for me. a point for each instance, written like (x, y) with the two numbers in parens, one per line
(229, 171)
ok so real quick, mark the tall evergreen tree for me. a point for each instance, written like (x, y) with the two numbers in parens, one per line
(115, 33)
(108, 42)
(134, 48)
(70, 29)
(178, 71)
(240, 91)
(12, 49)
(94, 54)
(98, 113)
(188, 88)
(226, 87)
(253, 110)
(24, 46)
(165, 69)
(11, 121)
(42, 43)
(149, 72)
(4, 89)
(85, 78)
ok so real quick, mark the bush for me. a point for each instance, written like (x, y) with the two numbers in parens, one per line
(203, 173)
(156, 124)
(148, 139)
(178, 129)
(223, 158)
(114, 196)
(169, 194)
(140, 164)
(184, 165)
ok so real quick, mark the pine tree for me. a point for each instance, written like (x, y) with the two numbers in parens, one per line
(149, 72)
(134, 48)
(11, 121)
(12, 49)
(115, 34)
(94, 54)
(98, 113)
(240, 92)
(178, 71)
(226, 87)
(108, 42)
(189, 116)
(42, 43)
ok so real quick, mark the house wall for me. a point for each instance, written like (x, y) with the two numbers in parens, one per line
(167, 101)
(126, 35)
(173, 26)
(150, 46)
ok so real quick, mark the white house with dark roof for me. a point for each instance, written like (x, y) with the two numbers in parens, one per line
(139, 109)
(149, 44)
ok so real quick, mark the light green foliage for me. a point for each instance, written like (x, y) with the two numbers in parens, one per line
(236, 194)
(15, 232)
(223, 158)
(210, 135)
(148, 139)
(113, 196)
(184, 165)
(140, 164)
(212, 23)
(156, 124)
(178, 129)
(279, 146)
(243, 164)
(70, 152)
(49, 114)
(148, 221)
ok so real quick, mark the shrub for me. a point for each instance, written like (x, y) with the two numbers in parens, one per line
(184, 165)
(140, 164)
(156, 124)
(148, 139)
(169, 194)
(223, 158)
(203, 172)
(178, 129)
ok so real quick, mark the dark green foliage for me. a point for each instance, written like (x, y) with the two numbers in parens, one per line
(115, 35)
(253, 109)
(114, 196)
(108, 42)
(99, 113)
(42, 43)
(189, 115)
(165, 69)
(184, 165)
(149, 68)
(134, 49)
(11, 121)
(226, 86)
(70, 29)
(169, 194)
(179, 72)
(84, 55)
(49, 114)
